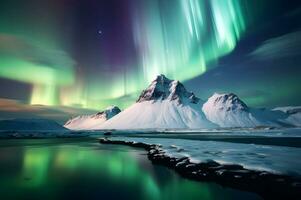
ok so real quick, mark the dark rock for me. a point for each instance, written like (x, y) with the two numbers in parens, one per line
(108, 133)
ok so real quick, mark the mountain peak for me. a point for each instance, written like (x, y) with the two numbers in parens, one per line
(163, 88)
(227, 101)
(227, 110)
(162, 78)
(178, 92)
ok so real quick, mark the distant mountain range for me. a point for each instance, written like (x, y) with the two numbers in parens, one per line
(166, 104)
(30, 125)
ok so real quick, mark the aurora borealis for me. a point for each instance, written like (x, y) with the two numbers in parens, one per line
(91, 54)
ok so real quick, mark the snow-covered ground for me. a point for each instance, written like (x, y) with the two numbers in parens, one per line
(276, 159)
(248, 132)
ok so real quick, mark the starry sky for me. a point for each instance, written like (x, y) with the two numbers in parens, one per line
(88, 54)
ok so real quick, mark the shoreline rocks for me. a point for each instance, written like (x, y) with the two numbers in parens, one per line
(266, 184)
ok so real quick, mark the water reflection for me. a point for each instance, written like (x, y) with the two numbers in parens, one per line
(93, 171)
(35, 166)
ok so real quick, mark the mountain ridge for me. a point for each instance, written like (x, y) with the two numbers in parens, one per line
(83, 122)
(166, 104)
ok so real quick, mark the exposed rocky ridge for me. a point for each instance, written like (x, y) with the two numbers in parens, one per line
(163, 88)
(108, 113)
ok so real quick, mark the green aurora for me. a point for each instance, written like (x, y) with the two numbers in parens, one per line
(92, 56)
(205, 36)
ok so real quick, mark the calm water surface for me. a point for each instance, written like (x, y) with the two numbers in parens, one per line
(85, 169)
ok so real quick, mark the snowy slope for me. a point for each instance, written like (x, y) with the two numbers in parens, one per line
(158, 114)
(29, 125)
(87, 122)
(164, 104)
(227, 110)
(293, 115)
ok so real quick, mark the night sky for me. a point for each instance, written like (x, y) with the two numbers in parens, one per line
(88, 54)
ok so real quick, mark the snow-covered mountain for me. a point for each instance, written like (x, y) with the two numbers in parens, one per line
(227, 110)
(87, 122)
(164, 104)
(293, 115)
(164, 89)
(30, 125)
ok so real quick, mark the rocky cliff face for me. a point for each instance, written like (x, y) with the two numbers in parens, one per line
(163, 88)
